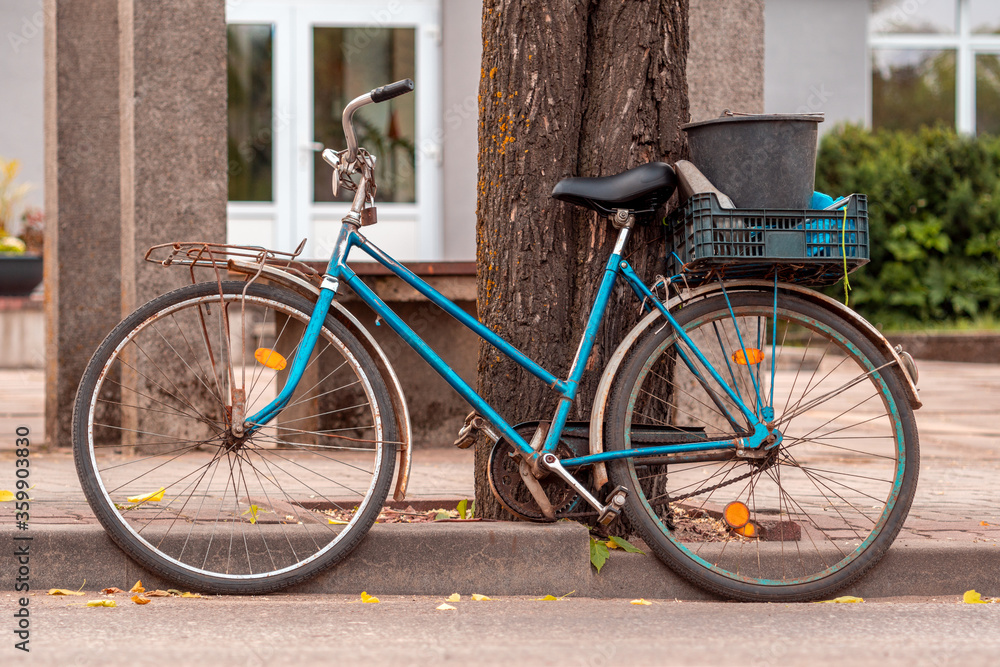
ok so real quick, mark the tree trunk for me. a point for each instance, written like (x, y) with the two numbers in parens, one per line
(568, 88)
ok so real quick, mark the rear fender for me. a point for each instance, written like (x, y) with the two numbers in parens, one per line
(597, 413)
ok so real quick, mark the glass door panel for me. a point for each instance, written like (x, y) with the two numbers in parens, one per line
(347, 61)
(250, 147)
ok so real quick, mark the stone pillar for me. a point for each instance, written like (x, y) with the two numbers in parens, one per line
(135, 119)
(726, 60)
(173, 184)
(82, 207)
(173, 135)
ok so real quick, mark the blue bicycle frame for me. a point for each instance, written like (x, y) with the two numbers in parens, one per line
(338, 271)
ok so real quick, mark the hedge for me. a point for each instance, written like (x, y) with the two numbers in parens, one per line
(934, 207)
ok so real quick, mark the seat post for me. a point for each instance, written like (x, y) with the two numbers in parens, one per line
(623, 220)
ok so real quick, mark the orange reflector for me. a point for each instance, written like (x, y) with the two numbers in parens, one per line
(748, 530)
(752, 357)
(270, 358)
(736, 514)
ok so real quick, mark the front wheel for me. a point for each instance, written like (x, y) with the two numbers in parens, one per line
(797, 521)
(184, 491)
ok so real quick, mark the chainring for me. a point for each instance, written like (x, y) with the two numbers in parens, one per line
(509, 489)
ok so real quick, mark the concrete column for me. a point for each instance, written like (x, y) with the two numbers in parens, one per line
(173, 135)
(82, 244)
(726, 61)
(172, 93)
(135, 116)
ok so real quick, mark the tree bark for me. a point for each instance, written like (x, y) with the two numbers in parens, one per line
(568, 88)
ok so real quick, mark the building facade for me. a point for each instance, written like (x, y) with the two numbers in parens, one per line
(294, 63)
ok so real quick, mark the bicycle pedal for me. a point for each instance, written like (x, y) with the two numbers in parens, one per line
(614, 506)
(474, 424)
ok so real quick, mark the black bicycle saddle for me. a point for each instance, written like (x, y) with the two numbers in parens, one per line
(642, 189)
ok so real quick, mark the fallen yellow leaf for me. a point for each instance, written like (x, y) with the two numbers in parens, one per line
(981, 523)
(548, 598)
(6, 496)
(137, 588)
(335, 522)
(369, 599)
(157, 594)
(444, 606)
(102, 603)
(195, 595)
(454, 597)
(611, 545)
(640, 601)
(138, 599)
(844, 599)
(63, 591)
(479, 598)
(972, 597)
(153, 496)
(112, 591)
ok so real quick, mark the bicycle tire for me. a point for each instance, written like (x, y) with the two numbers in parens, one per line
(173, 485)
(824, 504)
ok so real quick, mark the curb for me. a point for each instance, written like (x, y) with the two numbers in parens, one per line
(502, 558)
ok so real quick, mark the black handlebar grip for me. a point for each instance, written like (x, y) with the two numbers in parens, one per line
(392, 90)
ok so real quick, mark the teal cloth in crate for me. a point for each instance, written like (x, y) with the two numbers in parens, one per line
(820, 201)
(829, 239)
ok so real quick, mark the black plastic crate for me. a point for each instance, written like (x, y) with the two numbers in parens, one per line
(801, 246)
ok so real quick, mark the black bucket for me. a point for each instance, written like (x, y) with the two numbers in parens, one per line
(760, 161)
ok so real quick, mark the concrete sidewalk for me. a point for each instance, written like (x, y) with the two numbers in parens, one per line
(949, 544)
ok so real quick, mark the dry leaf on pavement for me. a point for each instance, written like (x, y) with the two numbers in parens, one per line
(972, 597)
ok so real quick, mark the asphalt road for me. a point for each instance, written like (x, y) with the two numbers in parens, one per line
(335, 630)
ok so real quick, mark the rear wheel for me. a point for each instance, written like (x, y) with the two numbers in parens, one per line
(181, 490)
(820, 507)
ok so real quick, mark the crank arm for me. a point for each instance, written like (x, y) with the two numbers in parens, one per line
(537, 492)
(606, 513)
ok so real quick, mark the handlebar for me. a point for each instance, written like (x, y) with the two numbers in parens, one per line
(382, 94)
(392, 90)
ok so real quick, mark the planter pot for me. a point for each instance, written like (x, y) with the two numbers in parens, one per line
(19, 274)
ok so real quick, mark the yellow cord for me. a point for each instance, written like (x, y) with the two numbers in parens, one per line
(843, 252)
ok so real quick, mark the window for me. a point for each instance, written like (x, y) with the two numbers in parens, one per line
(293, 66)
(352, 59)
(936, 61)
(250, 110)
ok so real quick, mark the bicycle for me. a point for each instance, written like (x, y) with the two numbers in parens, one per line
(758, 434)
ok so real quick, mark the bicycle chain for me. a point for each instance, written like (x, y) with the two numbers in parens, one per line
(674, 499)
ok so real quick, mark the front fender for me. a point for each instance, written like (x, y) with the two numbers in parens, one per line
(597, 413)
(344, 316)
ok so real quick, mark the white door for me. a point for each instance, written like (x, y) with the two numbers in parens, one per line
(293, 66)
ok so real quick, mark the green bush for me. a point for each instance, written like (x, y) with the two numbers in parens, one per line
(934, 216)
